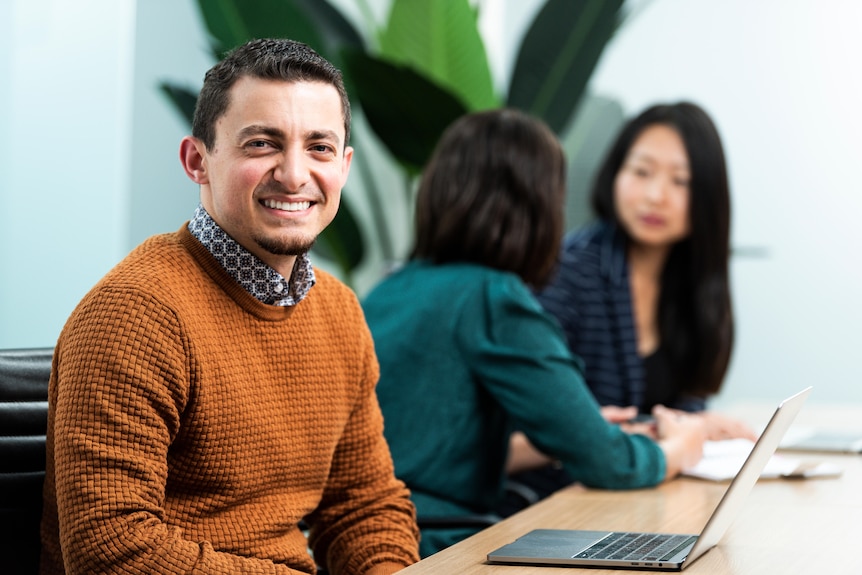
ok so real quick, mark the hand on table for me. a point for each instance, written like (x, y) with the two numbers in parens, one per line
(719, 426)
(681, 436)
(617, 414)
(625, 418)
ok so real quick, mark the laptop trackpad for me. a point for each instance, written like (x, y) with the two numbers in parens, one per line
(558, 543)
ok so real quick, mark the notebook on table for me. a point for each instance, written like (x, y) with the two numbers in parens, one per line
(654, 551)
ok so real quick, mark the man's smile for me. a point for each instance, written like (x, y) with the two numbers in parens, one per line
(286, 206)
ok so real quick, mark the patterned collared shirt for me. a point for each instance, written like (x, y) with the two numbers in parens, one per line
(256, 277)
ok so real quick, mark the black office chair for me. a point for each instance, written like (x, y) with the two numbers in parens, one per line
(518, 496)
(24, 375)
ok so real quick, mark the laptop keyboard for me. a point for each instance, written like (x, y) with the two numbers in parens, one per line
(637, 547)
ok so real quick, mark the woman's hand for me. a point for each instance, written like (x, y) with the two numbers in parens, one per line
(625, 417)
(616, 414)
(720, 427)
(681, 436)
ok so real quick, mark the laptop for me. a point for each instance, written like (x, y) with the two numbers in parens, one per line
(823, 440)
(653, 551)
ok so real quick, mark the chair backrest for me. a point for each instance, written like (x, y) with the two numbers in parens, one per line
(24, 375)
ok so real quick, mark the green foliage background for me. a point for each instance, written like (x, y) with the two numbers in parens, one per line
(412, 77)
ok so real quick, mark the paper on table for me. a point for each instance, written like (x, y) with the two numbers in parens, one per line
(723, 459)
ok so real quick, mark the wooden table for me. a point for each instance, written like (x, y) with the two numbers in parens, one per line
(786, 526)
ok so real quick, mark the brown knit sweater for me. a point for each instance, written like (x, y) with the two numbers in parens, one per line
(191, 427)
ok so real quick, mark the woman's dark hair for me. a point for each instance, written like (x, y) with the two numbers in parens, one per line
(695, 316)
(492, 194)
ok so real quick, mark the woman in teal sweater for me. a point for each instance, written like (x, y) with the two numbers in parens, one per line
(467, 354)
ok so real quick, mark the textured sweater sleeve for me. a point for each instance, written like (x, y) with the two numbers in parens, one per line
(520, 355)
(118, 396)
(365, 516)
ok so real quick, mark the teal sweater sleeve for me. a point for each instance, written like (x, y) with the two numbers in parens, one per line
(467, 354)
(519, 354)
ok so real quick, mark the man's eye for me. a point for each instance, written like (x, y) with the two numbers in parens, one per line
(260, 145)
(321, 148)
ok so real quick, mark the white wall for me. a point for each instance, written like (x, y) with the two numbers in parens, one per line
(88, 154)
(171, 46)
(781, 80)
(64, 142)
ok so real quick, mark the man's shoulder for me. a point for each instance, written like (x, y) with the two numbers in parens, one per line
(160, 257)
(158, 267)
(331, 297)
(150, 287)
(328, 285)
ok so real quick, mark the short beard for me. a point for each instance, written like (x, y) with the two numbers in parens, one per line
(285, 248)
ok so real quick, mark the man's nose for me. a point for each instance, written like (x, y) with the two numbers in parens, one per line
(292, 170)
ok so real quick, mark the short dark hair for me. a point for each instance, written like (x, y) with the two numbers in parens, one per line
(492, 194)
(695, 315)
(268, 59)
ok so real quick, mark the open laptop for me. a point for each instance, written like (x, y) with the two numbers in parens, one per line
(823, 440)
(654, 551)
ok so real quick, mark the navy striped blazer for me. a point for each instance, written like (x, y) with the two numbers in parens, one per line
(590, 297)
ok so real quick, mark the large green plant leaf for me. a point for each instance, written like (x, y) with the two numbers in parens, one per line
(234, 22)
(558, 55)
(407, 111)
(341, 241)
(184, 99)
(440, 72)
(334, 30)
(586, 142)
(440, 39)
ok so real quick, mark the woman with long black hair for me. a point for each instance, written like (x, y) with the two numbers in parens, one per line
(643, 294)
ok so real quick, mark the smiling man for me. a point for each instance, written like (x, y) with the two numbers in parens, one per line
(214, 389)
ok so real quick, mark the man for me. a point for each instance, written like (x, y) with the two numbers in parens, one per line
(213, 390)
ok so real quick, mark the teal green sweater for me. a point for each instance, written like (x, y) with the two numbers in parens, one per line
(467, 355)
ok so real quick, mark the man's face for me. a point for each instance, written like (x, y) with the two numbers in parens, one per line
(274, 176)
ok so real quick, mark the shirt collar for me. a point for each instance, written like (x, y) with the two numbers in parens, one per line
(256, 277)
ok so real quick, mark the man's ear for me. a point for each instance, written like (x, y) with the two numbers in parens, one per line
(192, 154)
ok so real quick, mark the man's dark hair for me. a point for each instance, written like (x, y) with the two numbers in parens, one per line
(267, 59)
(492, 194)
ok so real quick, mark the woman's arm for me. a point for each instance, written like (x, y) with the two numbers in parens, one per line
(680, 436)
(521, 358)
